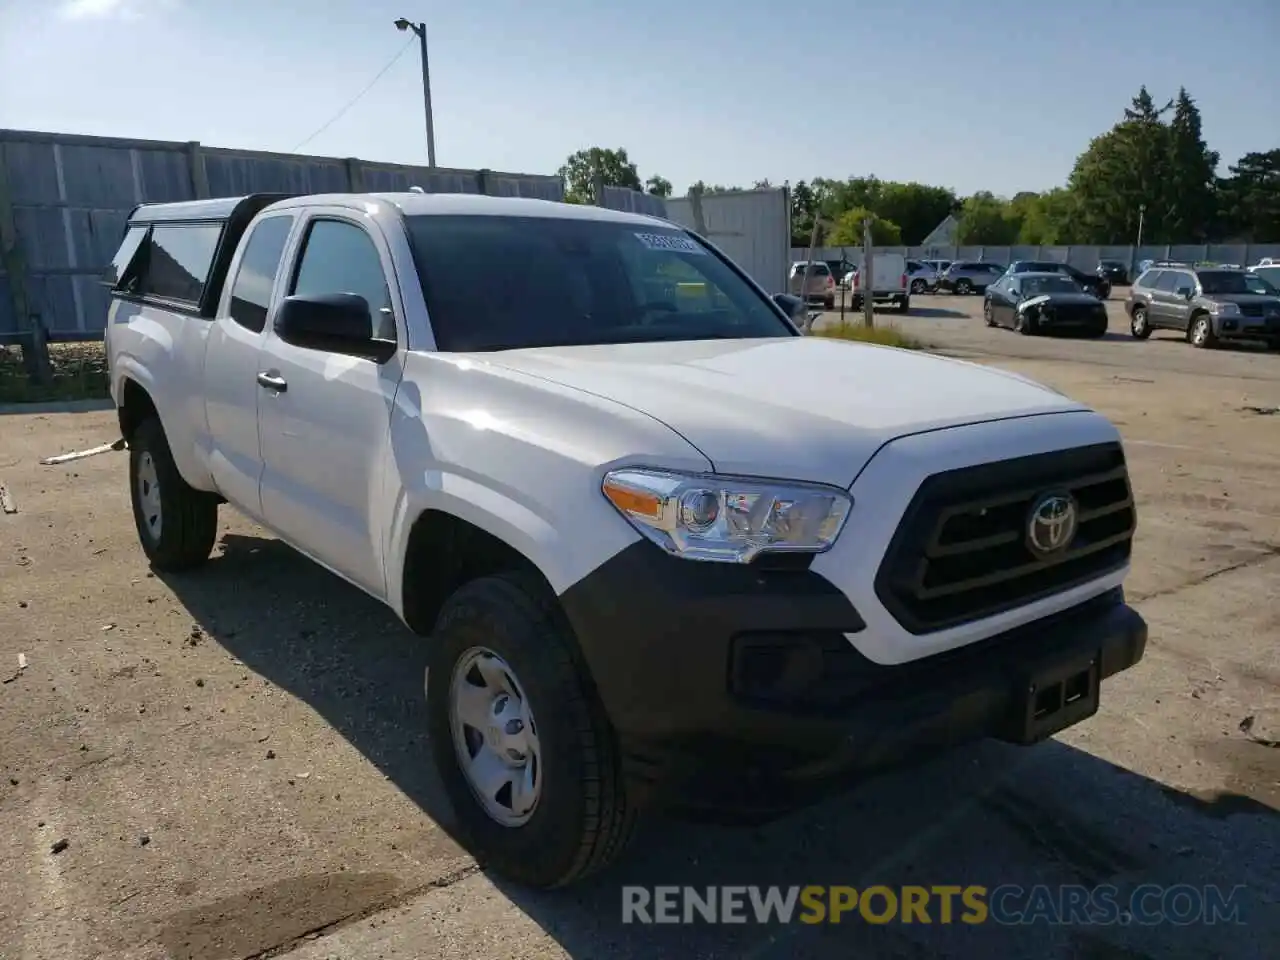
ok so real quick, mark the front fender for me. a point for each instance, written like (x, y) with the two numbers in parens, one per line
(520, 458)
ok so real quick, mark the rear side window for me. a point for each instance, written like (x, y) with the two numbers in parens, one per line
(1149, 279)
(1168, 281)
(123, 273)
(178, 261)
(251, 293)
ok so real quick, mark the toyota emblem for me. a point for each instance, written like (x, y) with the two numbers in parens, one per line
(1051, 523)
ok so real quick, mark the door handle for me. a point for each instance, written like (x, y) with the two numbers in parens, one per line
(278, 384)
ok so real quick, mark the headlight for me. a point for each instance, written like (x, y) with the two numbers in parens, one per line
(727, 519)
(1226, 309)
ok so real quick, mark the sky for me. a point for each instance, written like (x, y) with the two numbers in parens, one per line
(981, 95)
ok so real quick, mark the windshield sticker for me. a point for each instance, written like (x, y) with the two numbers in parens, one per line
(672, 242)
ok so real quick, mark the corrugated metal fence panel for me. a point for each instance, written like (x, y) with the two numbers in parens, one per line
(70, 196)
(753, 227)
(396, 178)
(234, 173)
(634, 201)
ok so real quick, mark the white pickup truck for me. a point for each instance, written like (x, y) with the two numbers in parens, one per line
(668, 552)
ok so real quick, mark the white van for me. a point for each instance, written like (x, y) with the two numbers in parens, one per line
(889, 281)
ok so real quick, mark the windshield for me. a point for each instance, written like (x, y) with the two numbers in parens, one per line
(1034, 286)
(1222, 281)
(571, 282)
(1257, 284)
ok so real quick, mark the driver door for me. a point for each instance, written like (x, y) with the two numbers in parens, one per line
(324, 416)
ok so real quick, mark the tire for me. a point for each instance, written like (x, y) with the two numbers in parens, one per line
(829, 303)
(581, 820)
(1200, 332)
(904, 305)
(964, 287)
(177, 524)
(1138, 325)
(1024, 325)
(918, 287)
(988, 315)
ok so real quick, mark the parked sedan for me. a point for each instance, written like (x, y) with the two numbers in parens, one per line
(1099, 286)
(1047, 302)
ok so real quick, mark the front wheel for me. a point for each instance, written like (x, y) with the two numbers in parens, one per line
(988, 314)
(1138, 324)
(177, 524)
(964, 287)
(1201, 332)
(1024, 325)
(526, 755)
(917, 287)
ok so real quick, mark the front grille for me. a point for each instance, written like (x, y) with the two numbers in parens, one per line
(961, 553)
(1251, 310)
(1072, 313)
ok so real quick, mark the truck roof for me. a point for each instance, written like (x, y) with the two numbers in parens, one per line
(409, 203)
(474, 204)
(219, 208)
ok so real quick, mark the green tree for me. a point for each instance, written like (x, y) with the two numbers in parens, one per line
(1191, 202)
(580, 169)
(846, 231)
(1044, 219)
(658, 186)
(1121, 170)
(804, 207)
(985, 219)
(1250, 198)
(915, 207)
(701, 186)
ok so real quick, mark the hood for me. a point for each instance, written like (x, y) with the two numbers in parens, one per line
(801, 408)
(1066, 299)
(1244, 299)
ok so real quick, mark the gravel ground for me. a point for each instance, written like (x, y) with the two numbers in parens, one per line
(236, 764)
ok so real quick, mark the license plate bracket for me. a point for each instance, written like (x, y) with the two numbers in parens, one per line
(1056, 697)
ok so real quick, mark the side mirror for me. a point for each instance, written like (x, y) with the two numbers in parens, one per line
(332, 322)
(1186, 292)
(792, 306)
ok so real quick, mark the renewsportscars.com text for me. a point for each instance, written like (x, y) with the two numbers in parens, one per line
(1068, 904)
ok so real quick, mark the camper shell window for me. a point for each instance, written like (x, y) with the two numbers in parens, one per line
(177, 254)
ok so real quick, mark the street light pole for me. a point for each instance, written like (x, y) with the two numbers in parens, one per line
(420, 29)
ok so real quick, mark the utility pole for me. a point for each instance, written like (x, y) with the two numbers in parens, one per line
(868, 287)
(1137, 250)
(421, 30)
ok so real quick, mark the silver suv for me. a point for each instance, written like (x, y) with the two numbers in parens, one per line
(816, 285)
(969, 276)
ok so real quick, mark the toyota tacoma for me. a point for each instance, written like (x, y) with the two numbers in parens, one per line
(667, 551)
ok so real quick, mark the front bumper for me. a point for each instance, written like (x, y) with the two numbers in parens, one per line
(734, 690)
(1248, 328)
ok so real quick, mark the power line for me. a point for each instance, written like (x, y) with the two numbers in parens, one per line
(356, 99)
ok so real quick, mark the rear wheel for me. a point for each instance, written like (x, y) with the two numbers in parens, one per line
(917, 286)
(904, 305)
(1200, 333)
(1138, 324)
(525, 752)
(176, 523)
